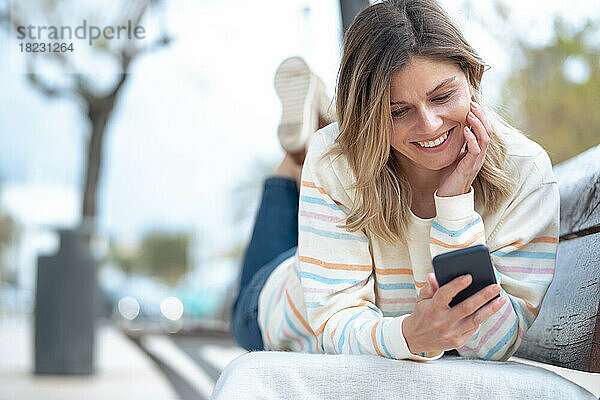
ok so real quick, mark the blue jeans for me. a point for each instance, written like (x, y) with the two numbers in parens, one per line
(274, 238)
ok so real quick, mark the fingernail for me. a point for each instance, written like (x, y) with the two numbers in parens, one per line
(471, 115)
(501, 300)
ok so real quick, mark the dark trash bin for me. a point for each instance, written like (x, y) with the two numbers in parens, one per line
(65, 306)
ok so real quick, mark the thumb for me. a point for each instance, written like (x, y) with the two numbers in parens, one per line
(432, 281)
(429, 289)
(425, 293)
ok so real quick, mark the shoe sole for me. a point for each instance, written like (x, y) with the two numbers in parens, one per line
(295, 85)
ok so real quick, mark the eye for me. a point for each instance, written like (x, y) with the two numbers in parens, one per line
(443, 98)
(399, 113)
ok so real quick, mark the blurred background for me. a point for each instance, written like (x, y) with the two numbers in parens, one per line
(130, 173)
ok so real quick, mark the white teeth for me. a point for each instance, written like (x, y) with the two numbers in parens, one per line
(436, 142)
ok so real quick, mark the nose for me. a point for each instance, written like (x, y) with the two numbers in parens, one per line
(429, 122)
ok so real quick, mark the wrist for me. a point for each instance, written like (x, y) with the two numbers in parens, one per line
(406, 333)
(442, 193)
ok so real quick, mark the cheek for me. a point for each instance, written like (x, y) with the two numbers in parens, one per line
(397, 136)
(461, 106)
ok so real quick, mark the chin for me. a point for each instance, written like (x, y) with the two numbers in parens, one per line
(440, 161)
(437, 167)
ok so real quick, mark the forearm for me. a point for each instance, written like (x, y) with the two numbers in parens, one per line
(367, 332)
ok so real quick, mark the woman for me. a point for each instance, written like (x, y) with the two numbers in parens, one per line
(416, 166)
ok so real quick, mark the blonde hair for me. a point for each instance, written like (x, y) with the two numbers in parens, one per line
(380, 41)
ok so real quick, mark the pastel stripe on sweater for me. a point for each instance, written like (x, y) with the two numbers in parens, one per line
(470, 241)
(342, 336)
(319, 216)
(316, 200)
(331, 235)
(343, 267)
(526, 254)
(457, 232)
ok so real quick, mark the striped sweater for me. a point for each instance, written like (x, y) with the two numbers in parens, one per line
(346, 292)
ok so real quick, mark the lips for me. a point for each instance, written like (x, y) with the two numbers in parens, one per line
(433, 139)
(440, 146)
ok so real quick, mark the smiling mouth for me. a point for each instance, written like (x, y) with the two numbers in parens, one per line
(437, 141)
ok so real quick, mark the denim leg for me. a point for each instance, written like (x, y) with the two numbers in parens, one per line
(276, 225)
(275, 234)
(244, 324)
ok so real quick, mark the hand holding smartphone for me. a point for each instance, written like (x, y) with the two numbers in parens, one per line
(473, 260)
(433, 326)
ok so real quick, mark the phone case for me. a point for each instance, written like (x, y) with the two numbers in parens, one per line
(474, 260)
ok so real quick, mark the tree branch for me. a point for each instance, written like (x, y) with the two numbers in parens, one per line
(50, 91)
(5, 16)
(98, 106)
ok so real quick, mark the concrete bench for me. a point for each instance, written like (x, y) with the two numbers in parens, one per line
(565, 334)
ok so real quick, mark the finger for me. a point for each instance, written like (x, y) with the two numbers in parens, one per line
(430, 288)
(448, 291)
(473, 150)
(473, 321)
(472, 143)
(478, 111)
(477, 125)
(460, 157)
(480, 132)
(470, 305)
(425, 293)
(433, 282)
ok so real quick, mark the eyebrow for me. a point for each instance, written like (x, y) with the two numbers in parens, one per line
(441, 85)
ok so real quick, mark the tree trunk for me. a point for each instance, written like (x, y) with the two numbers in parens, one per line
(99, 112)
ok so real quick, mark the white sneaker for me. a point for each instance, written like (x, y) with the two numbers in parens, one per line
(303, 99)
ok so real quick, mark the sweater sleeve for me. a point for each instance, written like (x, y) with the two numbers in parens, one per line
(523, 251)
(335, 268)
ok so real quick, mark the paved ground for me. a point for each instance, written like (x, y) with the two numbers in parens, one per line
(123, 370)
(193, 364)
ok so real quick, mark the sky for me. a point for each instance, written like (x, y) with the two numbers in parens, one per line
(196, 117)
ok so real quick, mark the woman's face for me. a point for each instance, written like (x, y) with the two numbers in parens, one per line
(429, 103)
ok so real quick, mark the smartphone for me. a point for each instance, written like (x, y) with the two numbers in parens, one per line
(473, 260)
